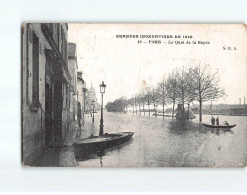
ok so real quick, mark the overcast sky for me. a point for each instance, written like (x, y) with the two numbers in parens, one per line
(126, 66)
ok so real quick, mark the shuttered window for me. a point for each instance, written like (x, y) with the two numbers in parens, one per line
(30, 35)
(36, 51)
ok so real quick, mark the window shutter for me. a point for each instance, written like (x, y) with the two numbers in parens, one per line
(30, 35)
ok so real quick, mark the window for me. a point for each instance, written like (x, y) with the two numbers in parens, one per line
(30, 35)
(36, 51)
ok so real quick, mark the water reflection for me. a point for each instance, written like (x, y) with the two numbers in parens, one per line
(189, 127)
(219, 131)
(159, 142)
(181, 127)
(101, 153)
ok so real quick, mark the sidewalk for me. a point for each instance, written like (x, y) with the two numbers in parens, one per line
(63, 156)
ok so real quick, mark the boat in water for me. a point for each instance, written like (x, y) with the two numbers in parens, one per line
(219, 126)
(96, 144)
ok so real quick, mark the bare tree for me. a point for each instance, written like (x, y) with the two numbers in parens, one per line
(183, 92)
(172, 92)
(143, 100)
(155, 98)
(139, 102)
(148, 98)
(161, 92)
(131, 102)
(125, 104)
(204, 85)
(136, 103)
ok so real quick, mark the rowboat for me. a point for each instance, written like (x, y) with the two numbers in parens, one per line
(219, 126)
(96, 144)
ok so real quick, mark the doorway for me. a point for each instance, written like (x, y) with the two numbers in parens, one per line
(48, 114)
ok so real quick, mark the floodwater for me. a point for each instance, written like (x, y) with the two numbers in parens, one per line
(159, 142)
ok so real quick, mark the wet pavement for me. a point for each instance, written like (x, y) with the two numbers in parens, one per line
(159, 142)
(63, 156)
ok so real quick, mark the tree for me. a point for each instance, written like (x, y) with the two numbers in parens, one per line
(161, 93)
(143, 100)
(136, 103)
(124, 103)
(172, 92)
(131, 102)
(204, 85)
(139, 102)
(183, 92)
(155, 98)
(148, 98)
(109, 107)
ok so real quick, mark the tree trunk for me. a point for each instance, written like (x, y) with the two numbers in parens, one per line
(200, 111)
(173, 108)
(155, 110)
(140, 110)
(148, 110)
(183, 111)
(163, 104)
(163, 99)
(133, 109)
(143, 109)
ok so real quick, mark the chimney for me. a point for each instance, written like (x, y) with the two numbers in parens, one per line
(244, 100)
(239, 101)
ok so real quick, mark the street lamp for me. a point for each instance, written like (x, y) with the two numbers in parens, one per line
(93, 110)
(102, 91)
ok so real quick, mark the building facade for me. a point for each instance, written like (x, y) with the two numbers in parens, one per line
(81, 90)
(72, 65)
(45, 88)
(91, 96)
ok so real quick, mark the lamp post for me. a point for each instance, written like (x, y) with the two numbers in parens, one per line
(93, 110)
(102, 91)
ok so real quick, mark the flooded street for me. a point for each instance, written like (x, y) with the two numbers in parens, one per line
(159, 142)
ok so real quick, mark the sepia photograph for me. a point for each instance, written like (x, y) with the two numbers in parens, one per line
(133, 95)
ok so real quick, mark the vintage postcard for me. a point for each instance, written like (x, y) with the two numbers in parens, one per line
(134, 95)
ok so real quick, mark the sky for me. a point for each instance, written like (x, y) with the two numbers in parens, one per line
(127, 66)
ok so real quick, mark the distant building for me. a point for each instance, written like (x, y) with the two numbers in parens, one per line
(91, 95)
(224, 109)
(45, 87)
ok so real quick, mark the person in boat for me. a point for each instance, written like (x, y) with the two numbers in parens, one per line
(217, 121)
(226, 123)
(212, 120)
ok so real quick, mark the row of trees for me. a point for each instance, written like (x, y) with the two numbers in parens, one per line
(182, 86)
